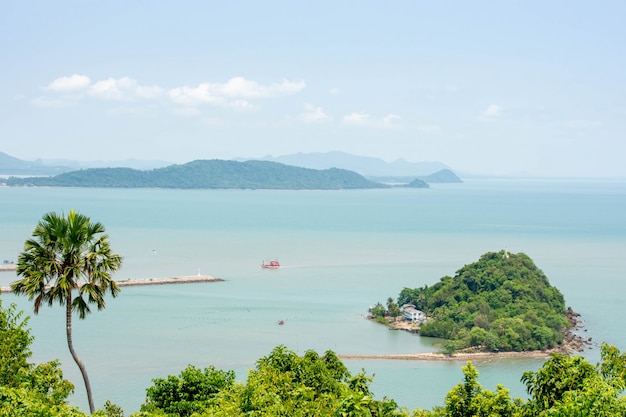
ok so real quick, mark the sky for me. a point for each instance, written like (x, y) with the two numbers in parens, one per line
(486, 87)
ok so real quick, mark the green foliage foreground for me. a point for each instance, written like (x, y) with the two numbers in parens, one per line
(282, 384)
(285, 384)
(27, 389)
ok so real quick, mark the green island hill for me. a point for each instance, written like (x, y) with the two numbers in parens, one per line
(208, 174)
(226, 174)
(501, 303)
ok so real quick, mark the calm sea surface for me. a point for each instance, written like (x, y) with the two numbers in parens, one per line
(342, 251)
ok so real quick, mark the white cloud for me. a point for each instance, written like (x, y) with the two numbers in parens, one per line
(72, 83)
(124, 88)
(314, 114)
(242, 88)
(193, 96)
(107, 89)
(491, 113)
(234, 93)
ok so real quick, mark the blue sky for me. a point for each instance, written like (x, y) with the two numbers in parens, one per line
(486, 87)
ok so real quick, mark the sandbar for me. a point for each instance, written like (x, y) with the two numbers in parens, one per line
(436, 356)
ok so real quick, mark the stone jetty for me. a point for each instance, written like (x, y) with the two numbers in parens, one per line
(157, 281)
(8, 267)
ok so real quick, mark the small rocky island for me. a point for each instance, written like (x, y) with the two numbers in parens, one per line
(501, 303)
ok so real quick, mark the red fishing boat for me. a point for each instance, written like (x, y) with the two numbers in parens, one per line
(273, 264)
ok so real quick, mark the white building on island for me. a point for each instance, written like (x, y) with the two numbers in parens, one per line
(411, 313)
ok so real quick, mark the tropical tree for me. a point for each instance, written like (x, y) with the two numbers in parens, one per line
(469, 399)
(571, 386)
(68, 260)
(190, 392)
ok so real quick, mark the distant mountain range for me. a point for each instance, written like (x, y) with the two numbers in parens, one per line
(10, 165)
(364, 165)
(292, 172)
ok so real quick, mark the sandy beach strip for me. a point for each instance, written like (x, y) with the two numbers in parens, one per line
(156, 281)
(435, 356)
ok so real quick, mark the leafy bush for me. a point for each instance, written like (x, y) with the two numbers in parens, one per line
(192, 391)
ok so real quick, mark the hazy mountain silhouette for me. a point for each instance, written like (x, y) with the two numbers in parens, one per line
(364, 165)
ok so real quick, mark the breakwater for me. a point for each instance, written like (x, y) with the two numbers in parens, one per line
(156, 281)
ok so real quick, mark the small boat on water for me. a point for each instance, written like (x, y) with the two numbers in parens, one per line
(272, 264)
(281, 322)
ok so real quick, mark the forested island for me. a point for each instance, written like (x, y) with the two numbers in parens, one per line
(208, 174)
(501, 303)
(224, 174)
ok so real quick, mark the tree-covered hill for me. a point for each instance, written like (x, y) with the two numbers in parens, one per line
(502, 302)
(208, 174)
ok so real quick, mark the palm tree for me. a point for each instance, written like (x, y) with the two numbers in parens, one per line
(68, 260)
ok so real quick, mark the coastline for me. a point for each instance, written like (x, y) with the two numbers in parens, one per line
(572, 342)
(155, 281)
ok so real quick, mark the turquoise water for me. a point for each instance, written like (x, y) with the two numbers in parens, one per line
(342, 251)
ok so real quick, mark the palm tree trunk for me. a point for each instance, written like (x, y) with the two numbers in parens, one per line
(81, 366)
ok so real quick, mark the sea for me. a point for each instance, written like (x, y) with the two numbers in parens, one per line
(341, 252)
